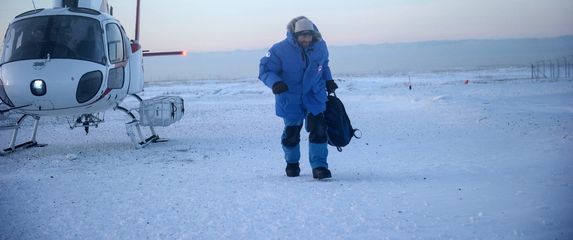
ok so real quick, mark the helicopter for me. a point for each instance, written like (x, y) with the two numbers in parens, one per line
(75, 60)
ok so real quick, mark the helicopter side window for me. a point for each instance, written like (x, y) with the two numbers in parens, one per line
(115, 43)
(7, 50)
(116, 50)
(127, 43)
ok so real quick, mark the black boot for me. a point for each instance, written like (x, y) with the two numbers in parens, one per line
(292, 170)
(321, 173)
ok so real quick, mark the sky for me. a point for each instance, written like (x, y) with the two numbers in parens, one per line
(226, 25)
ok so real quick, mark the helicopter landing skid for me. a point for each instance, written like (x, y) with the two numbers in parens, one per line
(29, 144)
(134, 132)
(32, 143)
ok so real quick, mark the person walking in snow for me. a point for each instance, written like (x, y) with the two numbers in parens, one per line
(296, 70)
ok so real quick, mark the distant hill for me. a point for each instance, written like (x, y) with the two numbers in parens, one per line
(385, 58)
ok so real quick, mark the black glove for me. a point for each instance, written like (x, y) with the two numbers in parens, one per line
(279, 87)
(331, 86)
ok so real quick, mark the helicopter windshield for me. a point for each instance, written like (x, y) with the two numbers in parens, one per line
(64, 37)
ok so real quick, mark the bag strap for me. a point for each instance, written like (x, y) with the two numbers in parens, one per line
(354, 131)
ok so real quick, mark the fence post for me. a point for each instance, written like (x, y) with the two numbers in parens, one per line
(532, 75)
(554, 69)
(544, 75)
(558, 68)
(568, 65)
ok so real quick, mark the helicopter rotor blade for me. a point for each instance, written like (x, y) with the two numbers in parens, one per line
(147, 53)
(137, 13)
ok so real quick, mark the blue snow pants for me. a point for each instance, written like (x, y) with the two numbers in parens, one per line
(317, 146)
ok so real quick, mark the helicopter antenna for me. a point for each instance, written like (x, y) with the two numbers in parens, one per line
(33, 3)
(137, 22)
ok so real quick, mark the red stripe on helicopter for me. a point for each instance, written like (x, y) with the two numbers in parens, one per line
(135, 47)
(105, 92)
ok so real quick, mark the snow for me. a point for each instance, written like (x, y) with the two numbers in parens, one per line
(491, 159)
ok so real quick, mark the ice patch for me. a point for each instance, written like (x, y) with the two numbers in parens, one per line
(71, 156)
(440, 98)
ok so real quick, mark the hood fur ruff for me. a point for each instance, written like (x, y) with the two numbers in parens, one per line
(290, 27)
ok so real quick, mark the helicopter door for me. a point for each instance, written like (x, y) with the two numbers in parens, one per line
(119, 71)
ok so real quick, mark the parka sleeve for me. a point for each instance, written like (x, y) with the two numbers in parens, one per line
(270, 68)
(326, 74)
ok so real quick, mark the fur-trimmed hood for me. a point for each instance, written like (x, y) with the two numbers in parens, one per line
(290, 28)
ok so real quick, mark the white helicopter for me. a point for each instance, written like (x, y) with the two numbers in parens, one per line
(75, 60)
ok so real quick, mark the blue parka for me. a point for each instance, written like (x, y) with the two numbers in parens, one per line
(305, 72)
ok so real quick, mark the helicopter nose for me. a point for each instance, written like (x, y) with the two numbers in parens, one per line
(38, 87)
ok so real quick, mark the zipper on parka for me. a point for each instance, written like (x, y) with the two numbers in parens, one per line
(304, 58)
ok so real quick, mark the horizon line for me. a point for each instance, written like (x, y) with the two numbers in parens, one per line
(391, 43)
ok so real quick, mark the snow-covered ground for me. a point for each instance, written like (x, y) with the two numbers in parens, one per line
(491, 159)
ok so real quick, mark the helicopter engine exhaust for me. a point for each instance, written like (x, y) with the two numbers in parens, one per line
(99, 5)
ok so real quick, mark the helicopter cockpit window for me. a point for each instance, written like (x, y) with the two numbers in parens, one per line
(55, 37)
(115, 44)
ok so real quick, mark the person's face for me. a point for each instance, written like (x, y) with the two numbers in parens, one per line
(304, 40)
